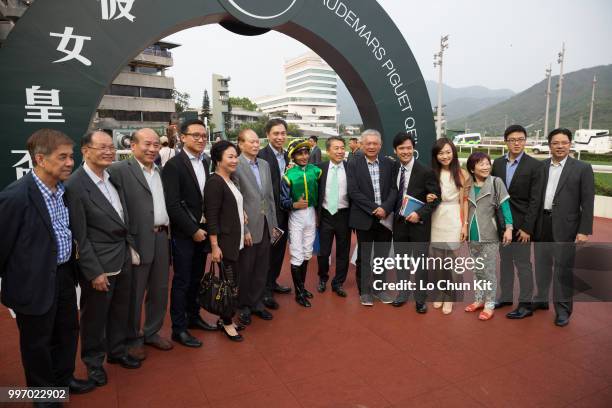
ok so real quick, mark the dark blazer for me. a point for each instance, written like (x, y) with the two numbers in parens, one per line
(574, 200)
(422, 181)
(361, 191)
(28, 254)
(323, 183)
(524, 190)
(222, 216)
(315, 155)
(181, 185)
(127, 174)
(268, 155)
(102, 238)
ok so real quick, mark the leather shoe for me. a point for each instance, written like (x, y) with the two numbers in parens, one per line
(245, 318)
(237, 338)
(263, 314)
(339, 290)
(126, 361)
(200, 324)
(499, 305)
(270, 303)
(421, 307)
(186, 339)
(399, 302)
(539, 306)
(283, 290)
(137, 353)
(97, 375)
(519, 313)
(307, 293)
(77, 386)
(562, 321)
(159, 343)
(321, 286)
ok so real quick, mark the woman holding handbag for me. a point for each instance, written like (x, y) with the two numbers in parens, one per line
(489, 222)
(223, 209)
(449, 219)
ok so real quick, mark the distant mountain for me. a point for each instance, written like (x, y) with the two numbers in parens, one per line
(459, 102)
(527, 108)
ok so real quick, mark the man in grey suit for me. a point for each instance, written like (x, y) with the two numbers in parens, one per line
(255, 183)
(99, 223)
(139, 178)
(565, 219)
(315, 152)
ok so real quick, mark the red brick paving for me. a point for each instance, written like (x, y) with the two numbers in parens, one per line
(340, 354)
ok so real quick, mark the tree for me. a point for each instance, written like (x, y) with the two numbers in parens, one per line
(228, 117)
(244, 103)
(205, 108)
(181, 101)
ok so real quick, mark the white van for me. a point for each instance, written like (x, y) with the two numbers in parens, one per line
(593, 141)
(467, 139)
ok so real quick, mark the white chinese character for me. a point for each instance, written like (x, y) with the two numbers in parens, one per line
(75, 53)
(43, 104)
(19, 169)
(109, 8)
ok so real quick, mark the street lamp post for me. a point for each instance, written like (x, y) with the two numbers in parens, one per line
(560, 60)
(548, 93)
(438, 60)
(592, 103)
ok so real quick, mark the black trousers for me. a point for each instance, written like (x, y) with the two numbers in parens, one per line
(189, 260)
(48, 342)
(373, 242)
(554, 262)
(277, 256)
(253, 265)
(104, 318)
(231, 273)
(331, 226)
(416, 238)
(516, 255)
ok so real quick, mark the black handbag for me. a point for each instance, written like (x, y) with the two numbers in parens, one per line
(217, 294)
(500, 221)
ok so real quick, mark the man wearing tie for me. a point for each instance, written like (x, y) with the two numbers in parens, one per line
(333, 216)
(139, 178)
(565, 219)
(183, 179)
(414, 230)
(255, 183)
(99, 222)
(276, 156)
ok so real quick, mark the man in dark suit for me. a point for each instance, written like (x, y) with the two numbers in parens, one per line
(99, 220)
(276, 156)
(522, 176)
(255, 183)
(333, 216)
(315, 152)
(372, 193)
(414, 230)
(184, 177)
(565, 219)
(41, 289)
(140, 180)
(354, 148)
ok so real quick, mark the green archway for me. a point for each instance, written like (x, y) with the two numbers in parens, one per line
(43, 86)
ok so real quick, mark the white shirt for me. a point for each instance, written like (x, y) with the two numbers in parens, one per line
(407, 172)
(198, 168)
(280, 158)
(165, 154)
(554, 174)
(110, 192)
(160, 215)
(239, 204)
(342, 186)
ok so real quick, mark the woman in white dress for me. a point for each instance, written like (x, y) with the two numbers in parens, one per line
(449, 220)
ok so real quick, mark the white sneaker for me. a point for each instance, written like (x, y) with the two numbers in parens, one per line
(366, 300)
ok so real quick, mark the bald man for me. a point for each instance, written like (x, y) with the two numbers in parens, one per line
(139, 177)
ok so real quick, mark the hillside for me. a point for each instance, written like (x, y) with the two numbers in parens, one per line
(527, 108)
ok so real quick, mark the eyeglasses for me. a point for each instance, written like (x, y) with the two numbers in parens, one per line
(109, 149)
(515, 141)
(197, 136)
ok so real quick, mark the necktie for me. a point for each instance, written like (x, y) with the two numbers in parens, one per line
(332, 198)
(400, 193)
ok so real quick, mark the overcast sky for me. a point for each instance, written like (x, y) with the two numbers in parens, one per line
(492, 43)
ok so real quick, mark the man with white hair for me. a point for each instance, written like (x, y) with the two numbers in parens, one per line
(372, 193)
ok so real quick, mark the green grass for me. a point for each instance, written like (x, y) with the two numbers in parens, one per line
(603, 184)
